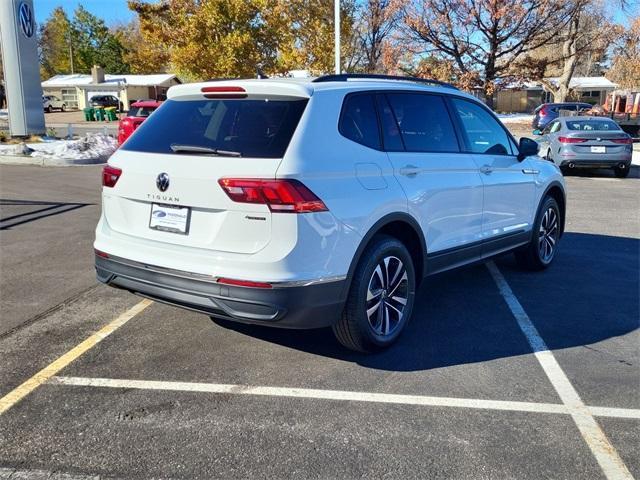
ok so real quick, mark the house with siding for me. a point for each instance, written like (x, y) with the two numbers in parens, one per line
(78, 89)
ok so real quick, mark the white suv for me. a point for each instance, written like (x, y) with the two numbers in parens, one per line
(304, 203)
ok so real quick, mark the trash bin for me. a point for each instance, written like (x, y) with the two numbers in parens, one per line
(99, 114)
(88, 114)
(111, 114)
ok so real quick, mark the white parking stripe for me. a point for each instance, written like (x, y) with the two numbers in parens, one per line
(341, 395)
(606, 455)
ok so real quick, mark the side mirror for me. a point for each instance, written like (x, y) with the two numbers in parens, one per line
(527, 148)
(537, 132)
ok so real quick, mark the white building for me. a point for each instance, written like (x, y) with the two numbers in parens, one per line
(77, 89)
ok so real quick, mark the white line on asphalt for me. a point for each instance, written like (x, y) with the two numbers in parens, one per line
(604, 452)
(341, 395)
(17, 394)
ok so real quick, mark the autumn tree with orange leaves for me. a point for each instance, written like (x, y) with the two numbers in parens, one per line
(479, 39)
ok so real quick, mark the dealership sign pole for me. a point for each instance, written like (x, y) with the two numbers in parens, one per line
(336, 34)
(21, 67)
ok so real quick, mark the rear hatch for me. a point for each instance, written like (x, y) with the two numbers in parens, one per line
(168, 190)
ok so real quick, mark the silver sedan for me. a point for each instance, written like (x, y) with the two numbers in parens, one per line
(586, 142)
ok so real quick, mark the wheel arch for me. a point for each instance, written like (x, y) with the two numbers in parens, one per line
(557, 192)
(403, 227)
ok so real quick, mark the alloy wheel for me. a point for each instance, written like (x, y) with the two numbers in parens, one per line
(548, 235)
(387, 296)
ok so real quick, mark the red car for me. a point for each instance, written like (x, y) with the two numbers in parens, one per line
(138, 113)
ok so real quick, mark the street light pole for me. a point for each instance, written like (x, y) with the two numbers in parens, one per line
(336, 13)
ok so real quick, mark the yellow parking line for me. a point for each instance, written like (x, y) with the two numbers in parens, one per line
(53, 368)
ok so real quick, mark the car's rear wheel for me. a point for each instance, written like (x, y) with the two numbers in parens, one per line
(622, 172)
(541, 250)
(49, 109)
(63, 108)
(381, 297)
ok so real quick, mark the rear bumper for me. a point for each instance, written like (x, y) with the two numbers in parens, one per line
(595, 163)
(313, 305)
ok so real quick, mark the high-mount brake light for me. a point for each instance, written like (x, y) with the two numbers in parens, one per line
(244, 283)
(623, 140)
(285, 196)
(229, 92)
(110, 176)
(571, 140)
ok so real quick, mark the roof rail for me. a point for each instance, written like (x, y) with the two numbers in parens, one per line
(343, 77)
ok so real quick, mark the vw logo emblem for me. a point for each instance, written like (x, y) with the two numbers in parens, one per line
(27, 23)
(162, 182)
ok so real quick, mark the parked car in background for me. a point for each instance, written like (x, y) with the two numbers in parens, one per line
(586, 142)
(550, 111)
(106, 101)
(138, 113)
(51, 103)
(313, 203)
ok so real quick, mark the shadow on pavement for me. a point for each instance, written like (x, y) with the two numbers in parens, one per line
(42, 210)
(590, 294)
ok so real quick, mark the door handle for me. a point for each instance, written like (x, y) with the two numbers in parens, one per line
(486, 169)
(409, 170)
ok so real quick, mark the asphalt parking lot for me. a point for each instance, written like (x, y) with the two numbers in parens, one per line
(470, 390)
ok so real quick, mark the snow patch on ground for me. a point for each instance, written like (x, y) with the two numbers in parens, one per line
(515, 117)
(91, 146)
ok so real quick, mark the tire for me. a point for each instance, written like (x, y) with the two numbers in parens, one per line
(548, 156)
(49, 109)
(363, 327)
(622, 172)
(63, 108)
(541, 250)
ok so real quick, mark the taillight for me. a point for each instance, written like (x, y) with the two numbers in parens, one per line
(287, 196)
(244, 283)
(543, 111)
(110, 176)
(571, 140)
(624, 141)
(100, 253)
(224, 92)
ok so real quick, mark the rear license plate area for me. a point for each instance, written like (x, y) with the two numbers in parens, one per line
(598, 149)
(170, 218)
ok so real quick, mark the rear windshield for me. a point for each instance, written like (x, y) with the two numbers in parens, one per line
(592, 125)
(251, 127)
(140, 111)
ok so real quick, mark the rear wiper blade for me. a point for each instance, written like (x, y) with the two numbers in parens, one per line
(179, 148)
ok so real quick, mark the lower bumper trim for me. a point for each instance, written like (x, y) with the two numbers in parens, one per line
(305, 306)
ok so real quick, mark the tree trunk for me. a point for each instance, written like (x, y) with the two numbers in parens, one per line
(569, 48)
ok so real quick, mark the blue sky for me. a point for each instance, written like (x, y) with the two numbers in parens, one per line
(114, 11)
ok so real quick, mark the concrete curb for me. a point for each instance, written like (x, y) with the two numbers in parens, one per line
(48, 162)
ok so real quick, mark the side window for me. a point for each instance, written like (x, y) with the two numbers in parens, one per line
(359, 121)
(424, 122)
(484, 133)
(555, 127)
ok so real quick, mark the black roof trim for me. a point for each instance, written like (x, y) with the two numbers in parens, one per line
(343, 77)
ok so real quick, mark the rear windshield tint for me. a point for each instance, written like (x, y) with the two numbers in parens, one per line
(252, 127)
(140, 111)
(592, 125)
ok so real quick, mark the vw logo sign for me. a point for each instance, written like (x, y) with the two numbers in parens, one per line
(27, 23)
(162, 182)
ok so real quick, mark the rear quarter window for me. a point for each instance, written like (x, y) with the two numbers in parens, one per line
(359, 120)
(251, 127)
